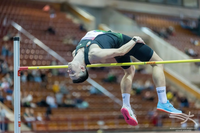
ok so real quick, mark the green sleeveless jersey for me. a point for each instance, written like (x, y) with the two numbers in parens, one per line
(91, 35)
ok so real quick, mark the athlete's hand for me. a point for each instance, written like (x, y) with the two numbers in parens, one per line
(139, 39)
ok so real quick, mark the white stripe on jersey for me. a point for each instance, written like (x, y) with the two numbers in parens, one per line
(92, 34)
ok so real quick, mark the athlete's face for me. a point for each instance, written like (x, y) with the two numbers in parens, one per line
(74, 70)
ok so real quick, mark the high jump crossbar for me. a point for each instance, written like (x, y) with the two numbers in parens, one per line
(17, 69)
(113, 64)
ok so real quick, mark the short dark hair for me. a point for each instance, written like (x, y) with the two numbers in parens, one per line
(83, 76)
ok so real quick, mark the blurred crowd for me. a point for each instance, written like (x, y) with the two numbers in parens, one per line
(165, 32)
(60, 95)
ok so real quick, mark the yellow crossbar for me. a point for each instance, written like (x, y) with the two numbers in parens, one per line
(113, 64)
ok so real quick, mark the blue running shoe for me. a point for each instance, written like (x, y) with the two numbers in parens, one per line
(168, 107)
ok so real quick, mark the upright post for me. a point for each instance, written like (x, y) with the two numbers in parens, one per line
(17, 120)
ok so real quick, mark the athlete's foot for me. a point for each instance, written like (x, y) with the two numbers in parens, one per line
(129, 116)
(168, 107)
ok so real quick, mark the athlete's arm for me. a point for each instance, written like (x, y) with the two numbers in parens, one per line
(99, 54)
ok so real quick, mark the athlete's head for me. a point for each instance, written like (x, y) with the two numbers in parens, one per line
(77, 72)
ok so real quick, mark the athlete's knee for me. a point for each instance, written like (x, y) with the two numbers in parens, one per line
(158, 65)
(130, 71)
(155, 57)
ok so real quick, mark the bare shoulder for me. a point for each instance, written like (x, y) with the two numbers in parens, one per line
(94, 48)
(93, 51)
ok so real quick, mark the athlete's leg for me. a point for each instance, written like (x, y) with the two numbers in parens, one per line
(126, 82)
(145, 53)
(126, 86)
(158, 74)
(159, 78)
(159, 81)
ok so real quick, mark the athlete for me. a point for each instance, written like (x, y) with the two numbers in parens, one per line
(99, 45)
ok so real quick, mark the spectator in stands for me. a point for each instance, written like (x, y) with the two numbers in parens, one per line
(5, 85)
(56, 87)
(188, 24)
(82, 27)
(191, 52)
(30, 77)
(28, 118)
(170, 95)
(51, 30)
(37, 76)
(63, 88)
(50, 100)
(111, 77)
(10, 51)
(184, 102)
(24, 76)
(75, 41)
(59, 99)
(43, 76)
(9, 79)
(44, 79)
(3, 119)
(94, 90)
(39, 116)
(52, 15)
(4, 67)
(163, 33)
(32, 114)
(9, 97)
(27, 99)
(138, 86)
(46, 8)
(170, 30)
(148, 96)
(80, 103)
(148, 85)
(69, 102)
(42, 102)
(194, 42)
(48, 113)
(11, 72)
(9, 36)
(5, 50)
(1, 62)
(2, 99)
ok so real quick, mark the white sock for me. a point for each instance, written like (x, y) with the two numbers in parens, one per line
(162, 97)
(126, 99)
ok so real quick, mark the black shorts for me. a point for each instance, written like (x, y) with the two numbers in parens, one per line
(140, 51)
